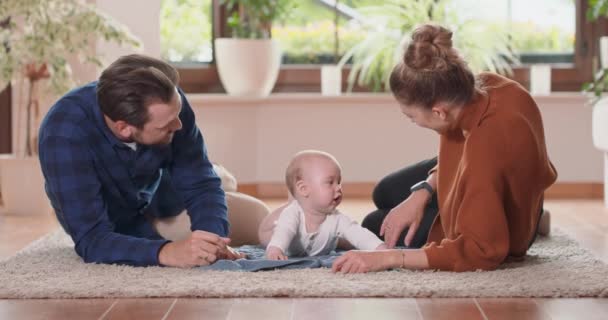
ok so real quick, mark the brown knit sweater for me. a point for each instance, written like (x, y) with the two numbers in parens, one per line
(490, 180)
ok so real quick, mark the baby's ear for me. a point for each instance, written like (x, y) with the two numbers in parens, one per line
(302, 188)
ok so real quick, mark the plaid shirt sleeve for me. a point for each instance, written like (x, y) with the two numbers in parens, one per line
(194, 178)
(73, 184)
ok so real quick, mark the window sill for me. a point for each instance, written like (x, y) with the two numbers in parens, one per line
(306, 78)
(316, 99)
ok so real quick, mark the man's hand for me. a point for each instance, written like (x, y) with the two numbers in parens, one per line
(230, 253)
(201, 248)
(407, 214)
(274, 253)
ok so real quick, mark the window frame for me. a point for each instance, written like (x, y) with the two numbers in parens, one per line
(307, 78)
(6, 103)
(6, 128)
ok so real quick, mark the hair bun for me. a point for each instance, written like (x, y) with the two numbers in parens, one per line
(430, 49)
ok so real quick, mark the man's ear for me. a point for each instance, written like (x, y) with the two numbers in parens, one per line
(302, 188)
(124, 129)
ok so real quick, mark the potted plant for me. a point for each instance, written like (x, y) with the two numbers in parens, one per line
(248, 63)
(597, 87)
(485, 47)
(36, 39)
(597, 9)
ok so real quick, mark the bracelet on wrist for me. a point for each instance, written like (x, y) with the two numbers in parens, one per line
(422, 185)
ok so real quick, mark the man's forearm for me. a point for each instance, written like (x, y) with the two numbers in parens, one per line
(206, 204)
(115, 248)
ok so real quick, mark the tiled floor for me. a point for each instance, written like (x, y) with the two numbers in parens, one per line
(586, 221)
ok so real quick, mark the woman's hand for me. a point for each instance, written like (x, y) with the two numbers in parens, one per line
(363, 261)
(407, 214)
(372, 261)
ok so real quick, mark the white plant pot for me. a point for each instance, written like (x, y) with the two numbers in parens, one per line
(604, 52)
(599, 125)
(248, 67)
(22, 186)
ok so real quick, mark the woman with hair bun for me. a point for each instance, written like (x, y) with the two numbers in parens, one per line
(480, 201)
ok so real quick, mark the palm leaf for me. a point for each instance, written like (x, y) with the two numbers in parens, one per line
(484, 48)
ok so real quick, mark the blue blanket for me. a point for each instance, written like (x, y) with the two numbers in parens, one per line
(257, 262)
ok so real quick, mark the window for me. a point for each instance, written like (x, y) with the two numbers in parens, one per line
(561, 35)
(185, 31)
(320, 31)
(311, 36)
(5, 120)
(547, 37)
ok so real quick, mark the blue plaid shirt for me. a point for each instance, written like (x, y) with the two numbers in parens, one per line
(104, 193)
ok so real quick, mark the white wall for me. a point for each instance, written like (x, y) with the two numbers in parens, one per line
(142, 17)
(569, 142)
(255, 138)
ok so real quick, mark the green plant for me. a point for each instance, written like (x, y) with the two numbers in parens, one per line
(484, 46)
(596, 9)
(599, 84)
(38, 36)
(526, 37)
(311, 42)
(253, 18)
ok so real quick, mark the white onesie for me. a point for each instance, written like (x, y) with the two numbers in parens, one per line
(291, 237)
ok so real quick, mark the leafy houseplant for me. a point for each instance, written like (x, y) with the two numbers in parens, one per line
(599, 116)
(252, 19)
(485, 47)
(37, 36)
(248, 63)
(599, 84)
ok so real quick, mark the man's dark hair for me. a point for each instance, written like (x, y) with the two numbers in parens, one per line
(130, 84)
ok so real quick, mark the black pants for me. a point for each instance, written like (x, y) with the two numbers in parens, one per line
(394, 189)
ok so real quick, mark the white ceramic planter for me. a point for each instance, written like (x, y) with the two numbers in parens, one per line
(600, 137)
(247, 67)
(22, 186)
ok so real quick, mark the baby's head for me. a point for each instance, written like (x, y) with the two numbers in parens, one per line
(314, 179)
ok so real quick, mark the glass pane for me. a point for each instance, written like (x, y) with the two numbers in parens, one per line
(542, 28)
(185, 30)
(309, 36)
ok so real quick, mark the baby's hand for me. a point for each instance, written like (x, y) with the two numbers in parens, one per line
(274, 253)
(382, 247)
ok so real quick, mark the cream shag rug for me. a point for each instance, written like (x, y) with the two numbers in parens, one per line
(49, 268)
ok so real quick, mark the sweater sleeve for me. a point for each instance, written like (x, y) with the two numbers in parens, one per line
(480, 239)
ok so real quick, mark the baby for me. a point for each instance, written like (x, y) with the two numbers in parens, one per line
(310, 224)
